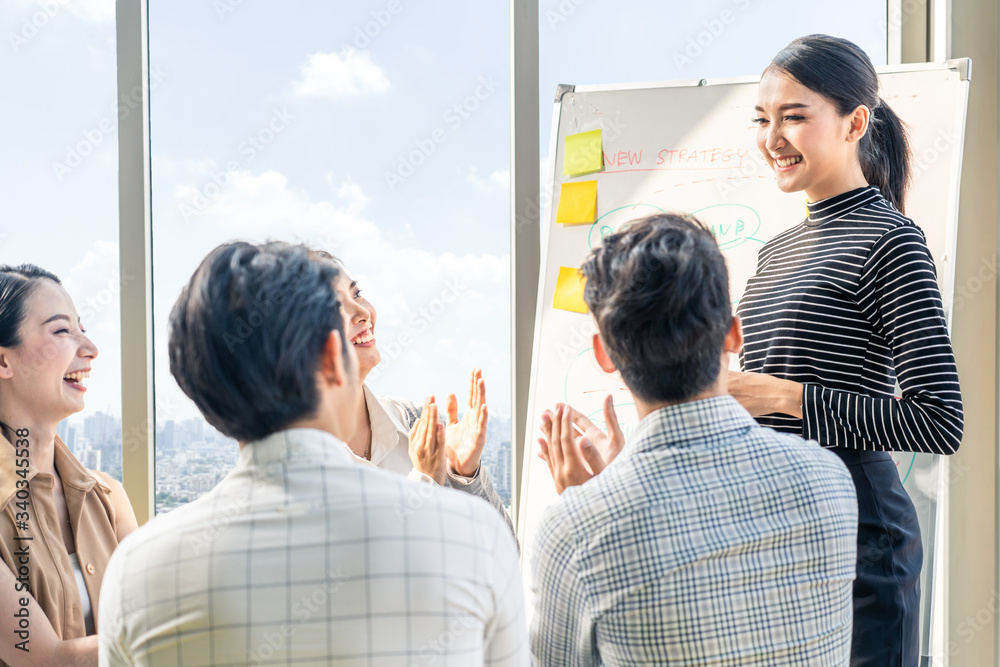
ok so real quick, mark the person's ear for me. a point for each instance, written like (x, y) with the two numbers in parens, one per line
(858, 123)
(334, 367)
(603, 360)
(6, 371)
(733, 341)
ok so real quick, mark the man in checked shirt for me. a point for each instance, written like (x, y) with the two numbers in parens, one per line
(707, 539)
(300, 555)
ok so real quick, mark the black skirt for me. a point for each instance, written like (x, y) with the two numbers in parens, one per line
(890, 555)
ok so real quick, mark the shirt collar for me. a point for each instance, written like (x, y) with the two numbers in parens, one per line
(386, 431)
(837, 206)
(71, 471)
(689, 424)
(296, 446)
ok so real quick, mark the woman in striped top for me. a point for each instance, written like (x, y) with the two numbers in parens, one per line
(842, 307)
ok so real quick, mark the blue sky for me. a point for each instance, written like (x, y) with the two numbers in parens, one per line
(309, 114)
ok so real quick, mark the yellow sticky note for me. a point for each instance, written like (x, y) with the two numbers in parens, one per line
(577, 203)
(569, 290)
(584, 153)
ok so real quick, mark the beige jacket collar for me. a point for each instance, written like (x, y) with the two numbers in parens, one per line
(71, 471)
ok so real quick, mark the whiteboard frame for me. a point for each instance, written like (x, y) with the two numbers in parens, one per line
(962, 65)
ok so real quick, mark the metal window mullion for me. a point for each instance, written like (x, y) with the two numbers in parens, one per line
(524, 220)
(135, 256)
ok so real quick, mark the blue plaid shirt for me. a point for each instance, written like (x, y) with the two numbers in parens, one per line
(710, 540)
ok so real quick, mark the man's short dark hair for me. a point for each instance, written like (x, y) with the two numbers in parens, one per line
(659, 291)
(247, 333)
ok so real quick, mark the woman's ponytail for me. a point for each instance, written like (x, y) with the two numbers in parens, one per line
(884, 154)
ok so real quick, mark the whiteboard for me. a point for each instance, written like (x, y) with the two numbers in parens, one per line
(689, 147)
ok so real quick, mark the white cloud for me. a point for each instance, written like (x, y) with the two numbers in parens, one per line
(352, 193)
(346, 73)
(498, 180)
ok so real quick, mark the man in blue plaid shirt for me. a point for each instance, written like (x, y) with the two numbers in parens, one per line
(710, 540)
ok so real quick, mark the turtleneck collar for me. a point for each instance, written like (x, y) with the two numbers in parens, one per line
(831, 208)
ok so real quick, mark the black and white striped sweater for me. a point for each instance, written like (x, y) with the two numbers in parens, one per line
(847, 303)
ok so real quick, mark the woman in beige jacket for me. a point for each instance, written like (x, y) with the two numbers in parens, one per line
(60, 522)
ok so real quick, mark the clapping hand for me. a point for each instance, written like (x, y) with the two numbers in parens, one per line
(573, 459)
(465, 438)
(427, 445)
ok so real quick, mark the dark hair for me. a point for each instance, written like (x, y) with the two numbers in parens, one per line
(840, 71)
(16, 285)
(660, 294)
(247, 333)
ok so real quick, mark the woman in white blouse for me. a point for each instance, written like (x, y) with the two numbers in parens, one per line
(384, 422)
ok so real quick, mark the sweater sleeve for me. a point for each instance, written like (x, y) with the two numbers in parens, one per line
(899, 297)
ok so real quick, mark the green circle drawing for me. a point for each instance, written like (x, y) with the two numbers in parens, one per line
(611, 228)
(913, 458)
(742, 223)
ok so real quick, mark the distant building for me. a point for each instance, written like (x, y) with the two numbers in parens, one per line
(90, 458)
(502, 476)
(80, 445)
(101, 428)
(111, 456)
(166, 438)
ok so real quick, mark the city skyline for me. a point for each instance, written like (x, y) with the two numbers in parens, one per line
(191, 457)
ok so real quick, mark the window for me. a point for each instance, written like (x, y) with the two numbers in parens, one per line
(60, 170)
(593, 42)
(377, 131)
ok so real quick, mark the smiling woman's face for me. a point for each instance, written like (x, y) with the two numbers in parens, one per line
(44, 374)
(807, 144)
(359, 323)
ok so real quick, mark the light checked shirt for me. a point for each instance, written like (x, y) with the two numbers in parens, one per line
(300, 556)
(710, 540)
